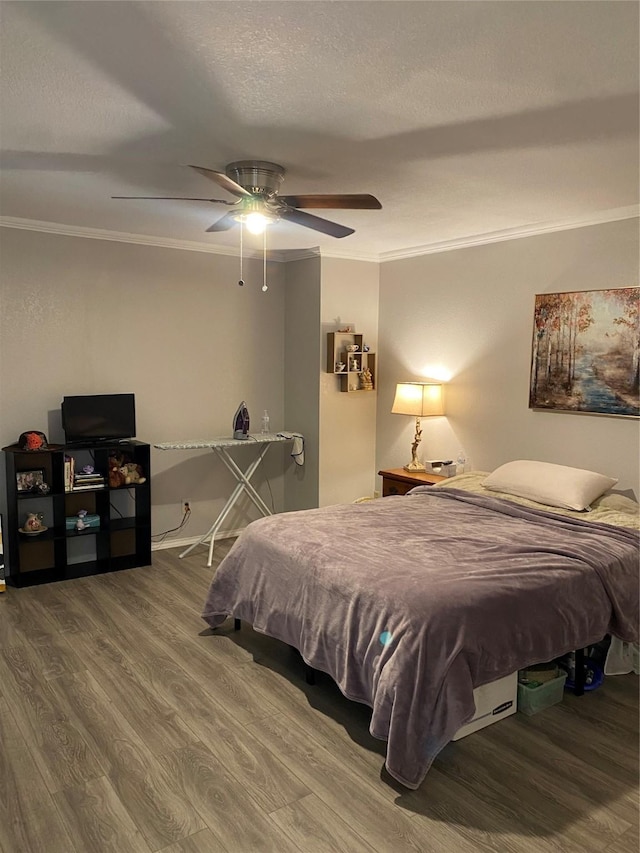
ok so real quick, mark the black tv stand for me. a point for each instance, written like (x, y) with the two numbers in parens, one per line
(96, 442)
(122, 539)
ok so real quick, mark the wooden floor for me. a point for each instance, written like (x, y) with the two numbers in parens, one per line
(126, 725)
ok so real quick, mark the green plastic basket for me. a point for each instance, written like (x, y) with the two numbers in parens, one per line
(531, 700)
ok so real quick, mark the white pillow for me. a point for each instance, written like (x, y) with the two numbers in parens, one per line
(552, 485)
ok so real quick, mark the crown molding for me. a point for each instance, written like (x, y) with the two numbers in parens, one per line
(286, 255)
(517, 233)
(117, 236)
(276, 255)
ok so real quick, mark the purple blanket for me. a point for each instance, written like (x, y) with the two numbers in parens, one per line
(411, 602)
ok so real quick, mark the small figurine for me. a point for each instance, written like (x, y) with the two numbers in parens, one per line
(367, 380)
(33, 524)
(346, 329)
(80, 523)
(340, 366)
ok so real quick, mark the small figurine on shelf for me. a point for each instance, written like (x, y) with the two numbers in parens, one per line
(340, 366)
(367, 380)
(346, 329)
(355, 364)
(33, 523)
(80, 523)
(116, 477)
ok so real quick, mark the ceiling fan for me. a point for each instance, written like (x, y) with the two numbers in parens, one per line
(255, 183)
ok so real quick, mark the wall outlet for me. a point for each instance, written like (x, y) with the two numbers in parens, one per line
(376, 494)
(185, 505)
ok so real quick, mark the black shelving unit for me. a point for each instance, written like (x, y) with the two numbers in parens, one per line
(123, 538)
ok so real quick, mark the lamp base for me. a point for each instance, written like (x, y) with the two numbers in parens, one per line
(414, 466)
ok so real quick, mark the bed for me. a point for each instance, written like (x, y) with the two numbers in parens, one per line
(411, 602)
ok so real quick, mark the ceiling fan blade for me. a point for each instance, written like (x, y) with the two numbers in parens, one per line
(223, 181)
(174, 198)
(223, 224)
(315, 222)
(336, 202)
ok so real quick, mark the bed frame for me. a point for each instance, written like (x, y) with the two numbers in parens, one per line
(578, 688)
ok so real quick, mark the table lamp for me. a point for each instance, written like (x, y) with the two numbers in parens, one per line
(420, 399)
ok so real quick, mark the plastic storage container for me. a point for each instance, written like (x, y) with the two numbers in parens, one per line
(493, 702)
(534, 699)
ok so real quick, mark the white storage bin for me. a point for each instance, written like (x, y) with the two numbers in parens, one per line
(494, 702)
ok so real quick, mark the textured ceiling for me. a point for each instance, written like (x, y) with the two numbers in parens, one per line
(463, 118)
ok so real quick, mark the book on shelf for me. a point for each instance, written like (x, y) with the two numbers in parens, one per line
(69, 473)
(99, 479)
(86, 488)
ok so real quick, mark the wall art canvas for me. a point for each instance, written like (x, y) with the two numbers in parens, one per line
(586, 352)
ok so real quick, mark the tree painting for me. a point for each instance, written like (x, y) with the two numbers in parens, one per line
(586, 352)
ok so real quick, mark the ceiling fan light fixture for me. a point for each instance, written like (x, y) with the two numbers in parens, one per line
(255, 185)
(256, 222)
(254, 214)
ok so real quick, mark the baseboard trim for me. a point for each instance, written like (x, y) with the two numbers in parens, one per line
(184, 543)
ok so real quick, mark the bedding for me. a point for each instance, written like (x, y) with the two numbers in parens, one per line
(609, 508)
(410, 602)
(549, 484)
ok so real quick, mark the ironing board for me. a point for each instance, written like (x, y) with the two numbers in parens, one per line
(223, 447)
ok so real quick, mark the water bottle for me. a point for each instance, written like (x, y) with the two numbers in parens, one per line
(265, 422)
(460, 463)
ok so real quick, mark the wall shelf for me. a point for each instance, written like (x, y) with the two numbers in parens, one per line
(347, 359)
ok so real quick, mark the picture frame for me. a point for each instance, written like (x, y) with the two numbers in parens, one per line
(29, 481)
(585, 352)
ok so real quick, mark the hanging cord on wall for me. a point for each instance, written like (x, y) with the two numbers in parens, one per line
(185, 518)
(241, 281)
(264, 261)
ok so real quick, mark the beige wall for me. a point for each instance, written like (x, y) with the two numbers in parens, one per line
(301, 371)
(84, 316)
(80, 316)
(347, 421)
(339, 429)
(470, 313)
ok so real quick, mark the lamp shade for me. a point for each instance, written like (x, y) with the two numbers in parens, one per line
(420, 399)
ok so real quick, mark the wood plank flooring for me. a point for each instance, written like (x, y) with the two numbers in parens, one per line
(127, 726)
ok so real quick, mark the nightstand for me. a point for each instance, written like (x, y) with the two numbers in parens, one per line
(397, 481)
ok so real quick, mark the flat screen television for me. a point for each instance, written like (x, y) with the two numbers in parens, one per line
(98, 417)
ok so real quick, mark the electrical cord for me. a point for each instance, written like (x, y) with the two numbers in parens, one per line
(273, 503)
(165, 533)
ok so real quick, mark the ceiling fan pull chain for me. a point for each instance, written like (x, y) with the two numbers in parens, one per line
(241, 282)
(264, 261)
